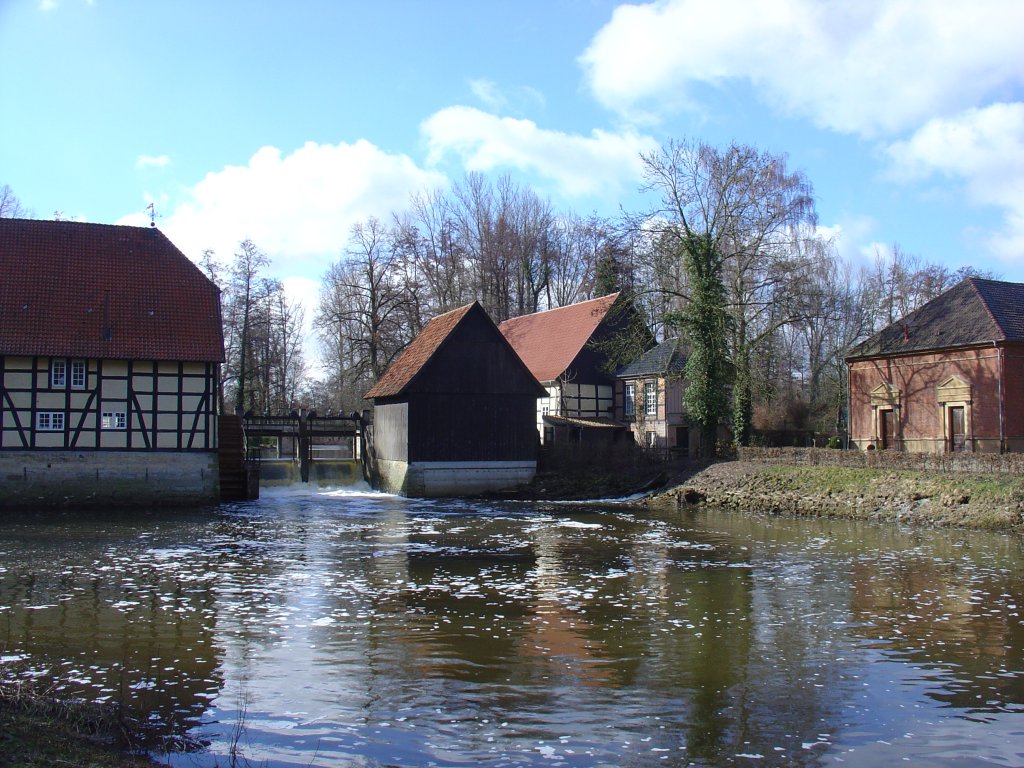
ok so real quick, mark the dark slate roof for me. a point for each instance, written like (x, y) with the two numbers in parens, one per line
(69, 289)
(972, 312)
(412, 359)
(665, 359)
(549, 341)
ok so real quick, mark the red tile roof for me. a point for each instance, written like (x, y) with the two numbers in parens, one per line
(412, 359)
(549, 341)
(70, 289)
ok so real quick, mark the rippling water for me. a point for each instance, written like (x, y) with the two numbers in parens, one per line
(356, 629)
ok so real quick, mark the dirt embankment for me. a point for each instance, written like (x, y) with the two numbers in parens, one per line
(992, 502)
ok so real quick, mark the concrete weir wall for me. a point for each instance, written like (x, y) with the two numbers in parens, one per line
(107, 478)
(322, 472)
(453, 478)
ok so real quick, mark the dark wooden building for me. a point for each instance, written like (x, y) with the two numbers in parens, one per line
(454, 414)
(110, 350)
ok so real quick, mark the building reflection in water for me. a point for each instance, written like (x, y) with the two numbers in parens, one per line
(382, 629)
(106, 621)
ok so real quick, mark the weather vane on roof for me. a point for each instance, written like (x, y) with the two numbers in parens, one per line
(152, 214)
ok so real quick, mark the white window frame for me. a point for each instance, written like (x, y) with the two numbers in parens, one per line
(58, 373)
(79, 374)
(629, 400)
(117, 420)
(651, 398)
(50, 421)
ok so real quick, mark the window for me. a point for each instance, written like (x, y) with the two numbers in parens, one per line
(78, 374)
(650, 398)
(629, 400)
(50, 421)
(58, 373)
(114, 420)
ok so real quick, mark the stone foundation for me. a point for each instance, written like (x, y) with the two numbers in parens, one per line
(107, 479)
(454, 478)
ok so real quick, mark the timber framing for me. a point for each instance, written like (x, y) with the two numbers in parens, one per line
(110, 352)
(124, 405)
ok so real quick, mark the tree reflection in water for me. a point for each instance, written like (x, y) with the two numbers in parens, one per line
(365, 629)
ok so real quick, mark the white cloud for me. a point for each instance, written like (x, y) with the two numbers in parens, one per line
(488, 93)
(983, 149)
(298, 208)
(597, 165)
(848, 236)
(152, 161)
(870, 67)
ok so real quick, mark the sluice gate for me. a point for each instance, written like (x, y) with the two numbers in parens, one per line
(302, 447)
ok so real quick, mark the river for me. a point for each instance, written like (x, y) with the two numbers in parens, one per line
(348, 628)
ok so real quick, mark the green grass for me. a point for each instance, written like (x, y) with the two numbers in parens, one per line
(991, 502)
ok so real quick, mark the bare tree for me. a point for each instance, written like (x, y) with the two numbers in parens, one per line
(364, 306)
(429, 240)
(244, 276)
(754, 212)
(10, 206)
(576, 246)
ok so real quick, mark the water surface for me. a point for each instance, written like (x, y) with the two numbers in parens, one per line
(356, 629)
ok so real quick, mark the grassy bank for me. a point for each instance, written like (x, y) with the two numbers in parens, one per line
(971, 500)
(38, 730)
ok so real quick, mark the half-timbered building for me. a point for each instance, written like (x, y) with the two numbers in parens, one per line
(948, 377)
(454, 413)
(110, 349)
(563, 349)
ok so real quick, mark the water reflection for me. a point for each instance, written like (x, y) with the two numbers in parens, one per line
(353, 629)
(113, 613)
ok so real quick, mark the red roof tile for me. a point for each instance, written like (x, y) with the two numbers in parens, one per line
(549, 341)
(412, 359)
(70, 289)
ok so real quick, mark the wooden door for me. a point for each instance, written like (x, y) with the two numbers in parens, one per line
(957, 429)
(887, 429)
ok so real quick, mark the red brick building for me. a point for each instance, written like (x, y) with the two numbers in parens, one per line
(948, 377)
(649, 398)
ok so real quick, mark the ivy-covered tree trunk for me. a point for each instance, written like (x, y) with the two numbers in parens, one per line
(706, 323)
(742, 398)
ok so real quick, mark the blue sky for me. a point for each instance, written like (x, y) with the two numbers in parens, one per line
(288, 122)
